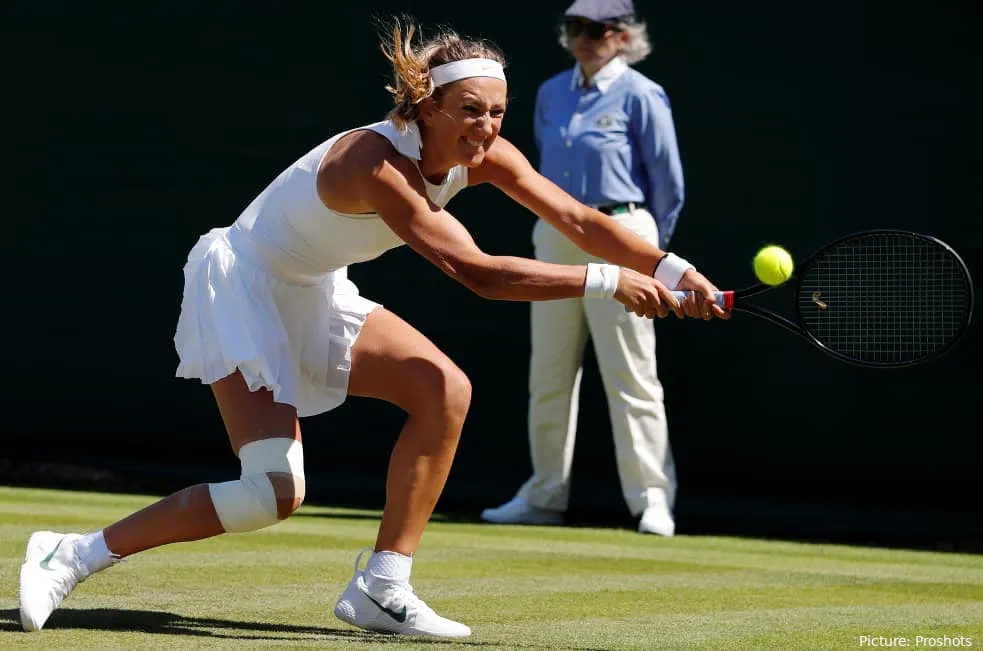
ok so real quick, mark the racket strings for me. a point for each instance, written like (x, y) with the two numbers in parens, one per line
(885, 298)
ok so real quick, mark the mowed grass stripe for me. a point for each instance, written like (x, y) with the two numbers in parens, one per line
(732, 629)
(906, 565)
(42, 502)
(613, 603)
(521, 537)
(512, 585)
(279, 545)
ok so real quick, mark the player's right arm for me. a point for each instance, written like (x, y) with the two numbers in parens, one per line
(392, 187)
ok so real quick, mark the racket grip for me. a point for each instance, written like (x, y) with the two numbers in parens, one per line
(723, 299)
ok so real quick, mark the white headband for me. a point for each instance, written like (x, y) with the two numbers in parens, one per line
(464, 69)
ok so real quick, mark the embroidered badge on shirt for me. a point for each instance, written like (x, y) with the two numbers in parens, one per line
(604, 121)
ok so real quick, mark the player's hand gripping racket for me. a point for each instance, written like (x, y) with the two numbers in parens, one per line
(877, 298)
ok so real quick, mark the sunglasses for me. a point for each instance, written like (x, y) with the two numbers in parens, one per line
(594, 31)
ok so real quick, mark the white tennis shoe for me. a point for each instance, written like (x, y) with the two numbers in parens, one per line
(519, 511)
(657, 521)
(50, 572)
(392, 608)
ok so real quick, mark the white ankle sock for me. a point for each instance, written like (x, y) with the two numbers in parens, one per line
(388, 567)
(93, 552)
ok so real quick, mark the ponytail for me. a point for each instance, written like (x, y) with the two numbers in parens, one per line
(411, 75)
(411, 65)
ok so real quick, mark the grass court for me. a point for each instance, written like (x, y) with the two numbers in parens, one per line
(517, 587)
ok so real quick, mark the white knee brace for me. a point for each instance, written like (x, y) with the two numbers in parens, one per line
(249, 503)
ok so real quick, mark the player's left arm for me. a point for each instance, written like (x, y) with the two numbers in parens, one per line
(509, 170)
(654, 135)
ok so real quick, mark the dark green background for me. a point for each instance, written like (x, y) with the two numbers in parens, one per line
(133, 127)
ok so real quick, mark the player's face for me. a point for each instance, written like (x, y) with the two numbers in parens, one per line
(468, 117)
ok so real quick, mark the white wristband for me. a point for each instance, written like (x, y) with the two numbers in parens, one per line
(671, 269)
(602, 280)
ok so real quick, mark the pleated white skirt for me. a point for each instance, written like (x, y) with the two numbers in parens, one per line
(292, 336)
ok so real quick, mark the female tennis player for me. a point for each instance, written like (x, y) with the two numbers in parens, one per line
(271, 322)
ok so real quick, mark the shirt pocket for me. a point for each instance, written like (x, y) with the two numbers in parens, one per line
(555, 118)
(554, 153)
(554, 129)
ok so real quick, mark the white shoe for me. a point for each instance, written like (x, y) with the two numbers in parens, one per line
(657, 521)
(50, 571)
(519, 511)
(392, 609)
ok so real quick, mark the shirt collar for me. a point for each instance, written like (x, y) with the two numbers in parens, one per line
(604, 77)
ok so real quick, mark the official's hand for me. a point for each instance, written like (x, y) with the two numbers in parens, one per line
(701, 303)
(646, 296)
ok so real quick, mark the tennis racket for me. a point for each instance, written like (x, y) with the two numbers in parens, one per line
(881, 298)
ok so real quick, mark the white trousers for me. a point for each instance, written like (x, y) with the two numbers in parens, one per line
(625, 349)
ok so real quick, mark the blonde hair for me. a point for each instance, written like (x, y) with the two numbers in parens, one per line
(639, 45)
(412, 63)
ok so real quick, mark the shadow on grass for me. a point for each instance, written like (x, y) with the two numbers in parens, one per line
(165, 623)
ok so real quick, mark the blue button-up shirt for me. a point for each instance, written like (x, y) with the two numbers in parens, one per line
(614, 142)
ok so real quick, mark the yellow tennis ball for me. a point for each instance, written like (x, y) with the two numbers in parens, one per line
(773, 265)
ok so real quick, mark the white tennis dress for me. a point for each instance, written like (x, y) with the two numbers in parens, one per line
(270, 294)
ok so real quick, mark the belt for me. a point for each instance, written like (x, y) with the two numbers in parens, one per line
(621, 208)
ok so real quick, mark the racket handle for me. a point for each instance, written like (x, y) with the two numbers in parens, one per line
(723, 299)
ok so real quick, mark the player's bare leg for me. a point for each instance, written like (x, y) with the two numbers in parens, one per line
(392, 361)
(189, 513)
(55, 563)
